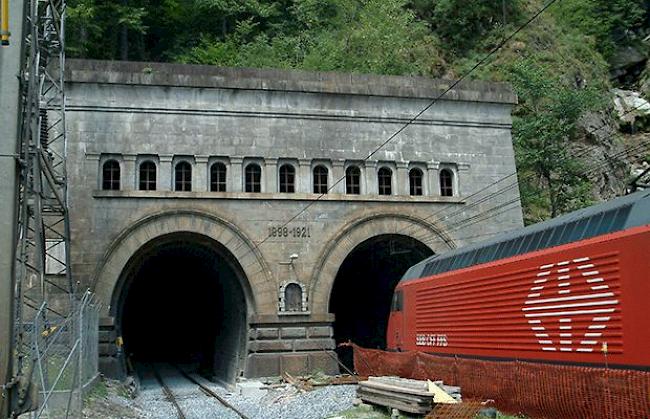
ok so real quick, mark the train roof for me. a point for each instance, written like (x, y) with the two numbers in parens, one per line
(615, 215)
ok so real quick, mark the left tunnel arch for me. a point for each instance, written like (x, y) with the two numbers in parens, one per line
(181, 300)
(206, 236)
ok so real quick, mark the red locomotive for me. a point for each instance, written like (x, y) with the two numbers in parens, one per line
(574, 289)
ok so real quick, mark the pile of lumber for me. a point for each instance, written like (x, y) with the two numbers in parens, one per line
(412, 396)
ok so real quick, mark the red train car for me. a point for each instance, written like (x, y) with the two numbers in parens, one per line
(575, 289)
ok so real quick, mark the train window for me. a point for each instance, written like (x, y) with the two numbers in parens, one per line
(592, 227)
(398, 301)
(568, 230)
(606, 222)
(544, 240)
(525, 244)
(455, 263)
(481, 255)
(579, 231)
(534, 242)
(428, 269)
(517, 245)
(620, 218)
(555, 237)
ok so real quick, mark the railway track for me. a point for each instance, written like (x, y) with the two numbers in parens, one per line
(171, 394)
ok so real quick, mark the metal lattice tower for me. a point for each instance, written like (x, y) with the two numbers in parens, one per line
(42, 275)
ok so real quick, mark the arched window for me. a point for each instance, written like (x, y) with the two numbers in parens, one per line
(218, 177)
(446, 183)
(253, 178)
(293, 297)
(183, 178)
(415, 181)
(287, 178)
(353, 180)
(147, 177)
(384, 177)
(320, 179)
(111, 176)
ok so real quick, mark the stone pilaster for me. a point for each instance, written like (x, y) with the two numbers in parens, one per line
(371, 178)
(433, 180)
(129, 177)
(271, 170)
(200, 181)
(402, 178)
(237, 175)
(303, 181)
(338, 173)
(165, 178)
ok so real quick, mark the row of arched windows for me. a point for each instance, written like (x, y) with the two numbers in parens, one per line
(287, 178)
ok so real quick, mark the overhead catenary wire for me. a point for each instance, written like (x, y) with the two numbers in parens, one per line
(414, 118)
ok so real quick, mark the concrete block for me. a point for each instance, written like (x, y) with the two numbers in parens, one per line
(270, 346)
(324, 362)
(267, 333)
(112, 367)
(313, 344)
(107, 349)
(295, 364)
(293, 332)
(319, 332)
(262, 365)
(107, 336)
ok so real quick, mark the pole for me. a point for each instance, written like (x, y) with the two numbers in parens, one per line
(10, 64)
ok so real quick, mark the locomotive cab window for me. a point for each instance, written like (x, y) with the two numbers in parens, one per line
(398, 301)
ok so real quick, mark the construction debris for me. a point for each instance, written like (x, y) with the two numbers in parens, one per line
(412, 396)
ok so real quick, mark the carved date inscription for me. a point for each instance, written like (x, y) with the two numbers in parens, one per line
(297, 232)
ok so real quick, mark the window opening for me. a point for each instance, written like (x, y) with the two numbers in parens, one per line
(415, 182)
(446, 179)
(147, 176)
(253, 178)
(218, 177)
(320, 179)
(353, 180)
(287, 178)
(385, 181)
(111, 176)
(183, 177)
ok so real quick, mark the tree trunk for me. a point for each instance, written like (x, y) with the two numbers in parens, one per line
(124, 38)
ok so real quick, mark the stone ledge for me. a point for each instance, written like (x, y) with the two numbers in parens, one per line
(187, 75)
(400, 199)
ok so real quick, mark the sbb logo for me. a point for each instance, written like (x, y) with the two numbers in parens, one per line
(569, 305)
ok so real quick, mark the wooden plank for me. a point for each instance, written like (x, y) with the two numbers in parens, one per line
(396, 389)
(397, 396)
(422, 410)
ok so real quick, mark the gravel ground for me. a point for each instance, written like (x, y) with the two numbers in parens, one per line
(284, 402)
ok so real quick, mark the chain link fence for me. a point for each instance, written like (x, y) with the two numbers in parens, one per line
(64, 357)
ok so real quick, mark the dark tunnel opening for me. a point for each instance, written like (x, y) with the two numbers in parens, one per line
(364, 287)
(183, 303)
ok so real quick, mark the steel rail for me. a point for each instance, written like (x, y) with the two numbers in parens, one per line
(169, 395)
(207, 391)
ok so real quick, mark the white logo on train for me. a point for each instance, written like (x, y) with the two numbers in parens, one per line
(569, 305)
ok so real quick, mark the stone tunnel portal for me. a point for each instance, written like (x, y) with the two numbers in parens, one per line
(182, 302)
(363, 289)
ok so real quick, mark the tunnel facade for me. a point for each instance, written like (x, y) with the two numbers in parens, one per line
(226, 205)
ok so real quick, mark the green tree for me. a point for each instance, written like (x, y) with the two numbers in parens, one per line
(551, 180)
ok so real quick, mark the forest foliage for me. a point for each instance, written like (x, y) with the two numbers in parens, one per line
(558, 65)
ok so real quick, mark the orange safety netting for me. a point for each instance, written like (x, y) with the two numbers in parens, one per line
(534, 389)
